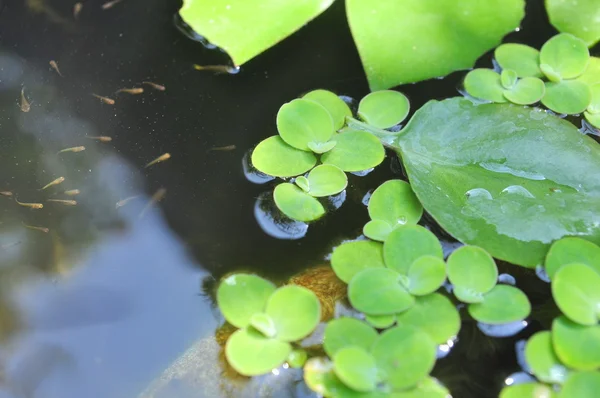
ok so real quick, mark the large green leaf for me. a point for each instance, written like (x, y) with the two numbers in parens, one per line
(412, 40)
(246, 28)
(507, 178)
(579, 17)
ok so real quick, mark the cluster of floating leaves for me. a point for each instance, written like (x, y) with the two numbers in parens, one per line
(311, 152)
(572, 77)
(567, 357)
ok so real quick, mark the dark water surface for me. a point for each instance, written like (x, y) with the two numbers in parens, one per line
(106, 300)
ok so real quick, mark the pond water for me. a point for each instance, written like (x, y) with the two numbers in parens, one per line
(115, 302)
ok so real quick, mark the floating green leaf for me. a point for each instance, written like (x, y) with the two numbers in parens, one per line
(355, 151)
(264, 324)
(251, 354)
(434, 314)
(350, 258)
(502, 304)
(528, 390)
(274, 157)
(594, 106)
(240, 296)
(381, 321)
(295, 311)
(575, 288)
(377, 230)
(524, 60)
(303, 183)
(425, 275)
(591, 75)
(472, 268)
(577, 346)
(240, 30)
(488, 175)
(434, 38)
(337, 108)
(406, 244)
(581, 385)
(578, 17)
(326, 180)
(321, 147)
(297, 358)
(405, 355)
(320, 377)
(377, 291)
(484, 84)
(356, 368)
(508, 78)
(347, 332)
(427, 388)
(568, 96)
(296, 204)
(564, 57)
(542, 360)
(572, 250)
(395, 203)
(301, 121)
(593, 118)
(526, 91)
(384, 109)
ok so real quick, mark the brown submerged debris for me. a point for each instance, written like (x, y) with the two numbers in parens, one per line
(106, 100)
(25, 105)
(159, 159)
(155, 86)
(54, 66)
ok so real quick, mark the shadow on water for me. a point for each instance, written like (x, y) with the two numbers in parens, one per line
(106, 300)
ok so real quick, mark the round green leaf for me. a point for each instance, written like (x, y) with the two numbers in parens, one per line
(593, 118)
(577, 346)
(591, 76)
(581, 385)
(336, 107)
(508, 78)
(395, 202)
(347, 332)
(377, 230)
(356, 368)
(484, 84)
(472, 268)
(326, 180)
(274, 157)
(427, 388)
(502, 304)
(526, 91)
(579, 17)
(377, 291)
(264, 324)
(406, 244)
(295, 311)
(564, 57)
(467, 295)
(302, 121)
(542, 360)
(296, 204)
(405, 355)
(425, 275)
(434, 314)
(383, 109)
(303, 183)
(252, 354)
(381, 321)
(355, 151)
(297, 358)
(320, 377)
(572, 250)
(350, 258)
(522, 59)
(240, 296)
(594, 106)
(321, 147)
(568, 96)
(528, 390)
(576, 291)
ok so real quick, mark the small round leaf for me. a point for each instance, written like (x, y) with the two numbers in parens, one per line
(425, 275)
(303, 183)
(528, 390)
(296, 204)
(297, 358)
(502, 304)
(274, 157)
(252, 354)
(526, 91)
(579, 17)
(568, 96)
(406, 244)
(427, 388)
(350, 258)
(321, 147)
(508, 78)
(356, 368)
(484, 84)
(295, 311)
(355, 151)
(572, 250)
(326, 180)
(471, 267)
(347, 332)
(434, 314)
(581, 385)
(575, 288)
(264, 324)
(240, 296)
(565, 55)
(577, 346)
(522, 59)
(395, 202)
(405, 356)
(302, 121)
(336, 107)
(320, 377)
(381, 321)
(593, 119)
(542, 359)
(384, 109)
(377, 230)
(594, 106)
(467, 295)
(377, 291)
(591, 75)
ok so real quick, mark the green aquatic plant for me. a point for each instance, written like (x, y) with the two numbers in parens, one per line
(578, 17)
(269, 321)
